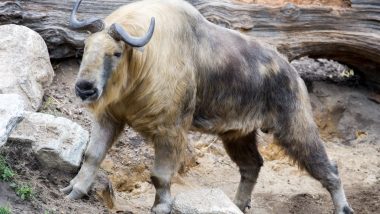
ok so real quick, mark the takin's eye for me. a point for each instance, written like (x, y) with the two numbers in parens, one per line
(117, 54)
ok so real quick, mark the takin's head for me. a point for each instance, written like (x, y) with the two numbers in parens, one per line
(102, 53)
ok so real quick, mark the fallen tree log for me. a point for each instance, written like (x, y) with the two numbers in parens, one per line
(348, 35)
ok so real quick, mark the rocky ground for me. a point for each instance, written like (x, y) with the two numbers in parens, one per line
(348, 118)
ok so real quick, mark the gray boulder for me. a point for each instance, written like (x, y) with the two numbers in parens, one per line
(57, 142)
(351, 115)
(202, 201)
(12, 107)
(25, 67)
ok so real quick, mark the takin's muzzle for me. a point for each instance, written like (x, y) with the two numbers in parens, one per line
(86, 90)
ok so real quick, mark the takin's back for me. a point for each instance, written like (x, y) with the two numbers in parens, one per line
(242, 84)
(229, 81)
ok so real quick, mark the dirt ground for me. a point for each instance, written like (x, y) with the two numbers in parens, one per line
(46, 198)
(281, 187)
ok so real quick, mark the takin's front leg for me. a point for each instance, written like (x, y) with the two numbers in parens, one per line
(103, 134)
(168, 156)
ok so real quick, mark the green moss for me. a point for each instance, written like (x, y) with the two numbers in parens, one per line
(5, 210)
(6, 173)
(24, 191)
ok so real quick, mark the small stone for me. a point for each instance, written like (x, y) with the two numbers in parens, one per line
(202, 201)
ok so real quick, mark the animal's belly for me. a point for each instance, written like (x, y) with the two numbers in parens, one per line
(221, 119)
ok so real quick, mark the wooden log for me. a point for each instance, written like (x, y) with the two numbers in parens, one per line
(348, 35)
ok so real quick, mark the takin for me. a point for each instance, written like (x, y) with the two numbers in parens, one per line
(161, 68)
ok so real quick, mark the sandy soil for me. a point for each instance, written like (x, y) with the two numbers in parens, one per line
(281, 187)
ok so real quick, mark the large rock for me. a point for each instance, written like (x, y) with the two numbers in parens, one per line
(204, 201)
(25, 67)
(11, 113)
(351, 115)
(56, 141)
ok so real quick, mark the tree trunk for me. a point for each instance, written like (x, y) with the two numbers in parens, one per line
(348, 35)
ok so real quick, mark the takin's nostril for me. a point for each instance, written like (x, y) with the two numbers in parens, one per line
(86, 90)
(84, 85)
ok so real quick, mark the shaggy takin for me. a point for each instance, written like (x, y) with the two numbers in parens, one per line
(161, 68)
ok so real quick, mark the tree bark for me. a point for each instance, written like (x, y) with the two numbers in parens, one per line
(348, 35)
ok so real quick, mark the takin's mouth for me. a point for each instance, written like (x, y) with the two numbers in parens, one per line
(87, 91)
(87, 95)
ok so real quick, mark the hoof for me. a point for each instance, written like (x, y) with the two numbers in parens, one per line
(243, 205)
(348, 210)
(73, 193)
(67, 189)
(162, 209)
(345, 210)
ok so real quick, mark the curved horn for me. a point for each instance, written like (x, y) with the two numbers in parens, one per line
(118, 33)
(93, 24)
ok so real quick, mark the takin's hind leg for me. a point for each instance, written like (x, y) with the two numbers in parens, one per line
(243, 151)
(302, 143)
(168, 150)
